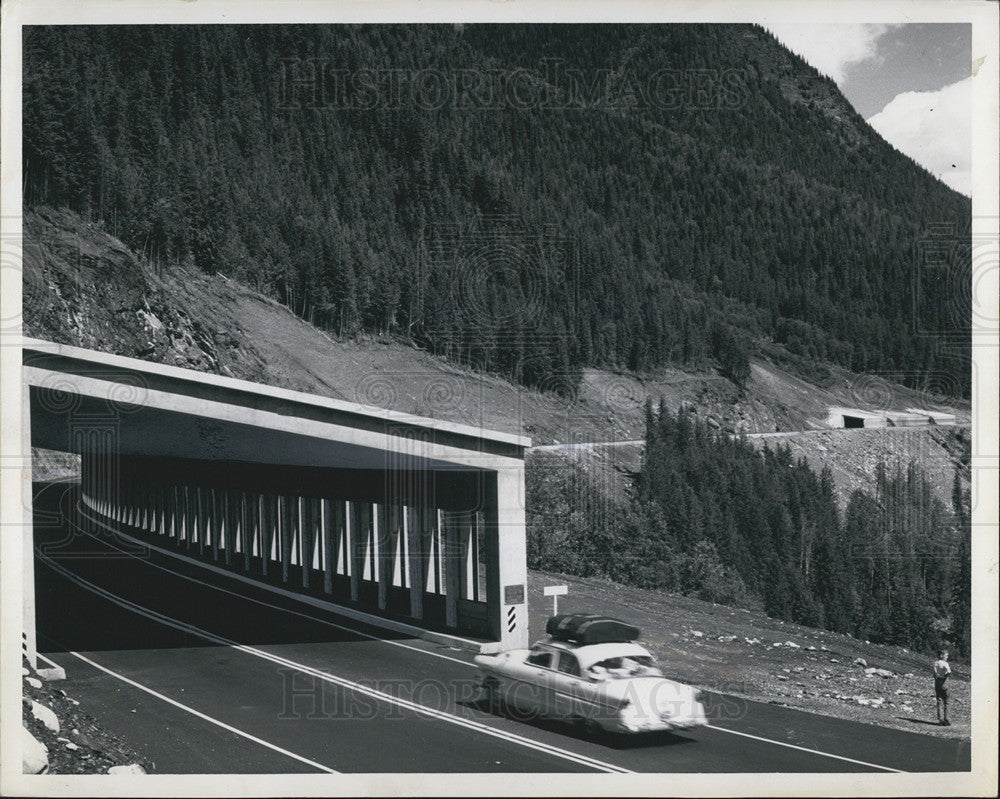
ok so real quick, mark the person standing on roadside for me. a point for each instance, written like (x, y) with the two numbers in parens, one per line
(941, 672)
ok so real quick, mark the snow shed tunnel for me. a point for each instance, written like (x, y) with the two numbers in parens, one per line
(393, 518)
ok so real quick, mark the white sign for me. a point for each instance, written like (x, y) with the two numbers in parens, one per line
(555, 591)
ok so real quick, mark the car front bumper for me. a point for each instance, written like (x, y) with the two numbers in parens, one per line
(638, 724)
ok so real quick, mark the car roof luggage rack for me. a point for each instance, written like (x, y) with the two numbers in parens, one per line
(590, 628)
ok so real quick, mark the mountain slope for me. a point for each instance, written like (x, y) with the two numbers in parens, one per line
(528, 199)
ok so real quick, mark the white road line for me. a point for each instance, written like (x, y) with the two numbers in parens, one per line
(806, 749)
(476, 726)
(201, 715)
(250, 581)
(417, 649)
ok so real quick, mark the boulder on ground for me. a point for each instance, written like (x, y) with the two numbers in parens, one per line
(44, 715)
(131, 768)
(34, 754)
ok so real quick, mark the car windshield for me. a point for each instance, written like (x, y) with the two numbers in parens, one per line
(622, 668)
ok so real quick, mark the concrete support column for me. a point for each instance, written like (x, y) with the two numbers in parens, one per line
(243, 517)
(284, 537)
(295, 531)
(269, 522)
(178, 494)
(307, 536)
(183, 525)
(327, 527)
(199, 518)
(171, 511)
(215, 517)
(414, 542)
(469, 562)
(430, 546)
(230, 522)
(154, 517)
(185, 498)
(133, 502)
(191, 516)
(507, 572)
(452, 550)
(385, 520)
(254, 536)
(359, 513)
(340, 520)
(166, 492)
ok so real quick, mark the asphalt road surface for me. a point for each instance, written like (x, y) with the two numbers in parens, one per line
(205, 674)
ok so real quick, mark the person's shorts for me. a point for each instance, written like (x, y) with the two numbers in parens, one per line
(940, 689)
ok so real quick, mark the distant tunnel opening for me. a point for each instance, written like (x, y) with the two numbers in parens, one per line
(853, 421)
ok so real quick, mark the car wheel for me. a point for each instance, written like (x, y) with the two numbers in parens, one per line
(491, 695)
(592, 729)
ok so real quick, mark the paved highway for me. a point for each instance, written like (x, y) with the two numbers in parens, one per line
(205, 674)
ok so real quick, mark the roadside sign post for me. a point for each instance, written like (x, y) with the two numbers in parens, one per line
(555, 591)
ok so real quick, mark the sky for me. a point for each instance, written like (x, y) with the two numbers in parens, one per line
(912, 83)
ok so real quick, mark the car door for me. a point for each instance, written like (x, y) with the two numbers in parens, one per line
(533, 693)
(568, 687)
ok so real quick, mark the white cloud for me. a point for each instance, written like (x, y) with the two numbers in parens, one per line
(831, 48)
(934, 129)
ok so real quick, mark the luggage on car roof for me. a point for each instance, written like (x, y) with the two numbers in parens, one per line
(589, 628)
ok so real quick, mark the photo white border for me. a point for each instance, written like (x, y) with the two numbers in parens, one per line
(13, 461)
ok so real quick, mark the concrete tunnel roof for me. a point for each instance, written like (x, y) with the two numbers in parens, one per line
(175, 412)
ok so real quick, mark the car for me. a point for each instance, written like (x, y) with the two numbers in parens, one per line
(590, 671)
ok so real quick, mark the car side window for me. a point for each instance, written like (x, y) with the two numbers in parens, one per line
(568, 664)
(541, 658)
